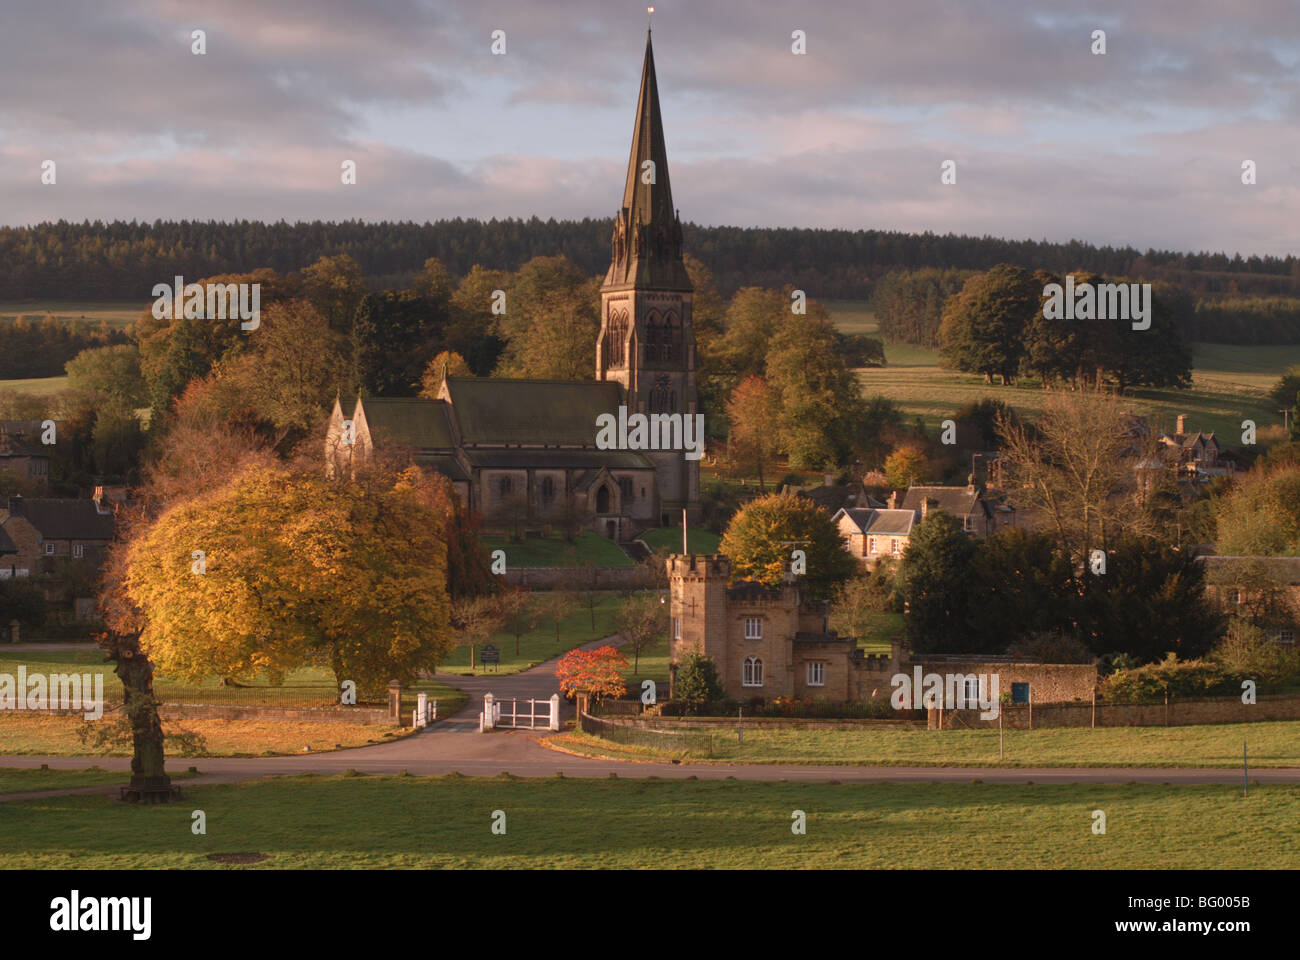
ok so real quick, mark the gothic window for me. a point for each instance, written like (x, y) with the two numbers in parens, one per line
(602, 499)
(616, 341)
(662, 397)
(668, 347)
(652, 336)
(752, 676)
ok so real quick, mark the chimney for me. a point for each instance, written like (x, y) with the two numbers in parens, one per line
(925, 507)
(970, 483)
(828, 479)
(893, 500)
(1182, 423)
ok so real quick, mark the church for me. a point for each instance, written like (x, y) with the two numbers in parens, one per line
(532, 444)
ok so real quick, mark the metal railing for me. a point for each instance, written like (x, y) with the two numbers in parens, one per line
(692, 742)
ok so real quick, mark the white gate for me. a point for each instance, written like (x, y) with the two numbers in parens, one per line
(519, 714)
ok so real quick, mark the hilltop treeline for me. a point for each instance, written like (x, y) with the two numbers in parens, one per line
(122, 261)
(1252, 321)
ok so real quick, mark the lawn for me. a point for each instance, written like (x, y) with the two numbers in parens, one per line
(13, 780)
(699, 541)
(36, 735)
(1229, 384)
(26, 781)
(555, 551)
(1271, 744)
(538, 644)
(304, 687)
(652, 666)
(394, 822)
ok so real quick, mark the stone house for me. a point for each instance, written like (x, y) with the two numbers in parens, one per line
(771, 642)
(872, 534)
(23, 458)
(50, 534)
(1263, 590)
(1196, 456)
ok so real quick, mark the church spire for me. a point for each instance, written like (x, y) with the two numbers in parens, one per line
(647, 245)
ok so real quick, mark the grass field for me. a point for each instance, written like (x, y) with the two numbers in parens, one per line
(1271, 744)
(114, 313)
(36, 735)
(587, 547)
(1229, 383)
(699, 541)
(539, 644)
(43, 386)
(419, 823)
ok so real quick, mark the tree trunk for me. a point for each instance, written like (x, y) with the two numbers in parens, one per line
(149, 780)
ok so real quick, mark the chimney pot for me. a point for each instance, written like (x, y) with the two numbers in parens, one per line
(1182, 423)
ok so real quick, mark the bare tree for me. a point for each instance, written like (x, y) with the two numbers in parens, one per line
(555, 605)
(475, 620)
(519, 611)
(1079, 464)
(640, 620)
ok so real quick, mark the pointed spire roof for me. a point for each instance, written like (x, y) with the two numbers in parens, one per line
(647, 232)
(648, 203)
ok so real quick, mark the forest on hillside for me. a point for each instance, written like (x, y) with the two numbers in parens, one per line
(123, 261)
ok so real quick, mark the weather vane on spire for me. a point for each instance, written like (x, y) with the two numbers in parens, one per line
(650, 17)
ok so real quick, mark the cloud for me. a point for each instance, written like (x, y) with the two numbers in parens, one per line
(1141, 146)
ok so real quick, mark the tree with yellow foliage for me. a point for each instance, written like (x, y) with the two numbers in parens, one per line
(279, 569)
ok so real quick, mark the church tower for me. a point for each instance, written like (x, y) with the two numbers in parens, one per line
(647, 342)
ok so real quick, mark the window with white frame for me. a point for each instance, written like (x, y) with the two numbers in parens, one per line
(816, 673)
(893, 547)
(753, 628)
(1286, 636)
(677, 628)
(873, 545)
(78, 550)
(752, 675)
(49, 549)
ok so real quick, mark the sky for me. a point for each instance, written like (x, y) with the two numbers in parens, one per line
(1142, 145)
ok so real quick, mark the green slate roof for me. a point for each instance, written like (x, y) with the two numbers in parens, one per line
(558, 459)
(489, 410)
(418, 422)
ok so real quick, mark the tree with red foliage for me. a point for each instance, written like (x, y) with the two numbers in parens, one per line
(592, 671)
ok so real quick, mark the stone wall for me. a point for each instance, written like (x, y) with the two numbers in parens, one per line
(580, 578)
(365, 715)
(1177, 713)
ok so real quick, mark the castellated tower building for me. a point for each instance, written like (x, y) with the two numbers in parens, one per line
(765, 641)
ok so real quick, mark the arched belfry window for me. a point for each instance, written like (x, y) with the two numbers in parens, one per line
(652, 335)
(670, 338)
